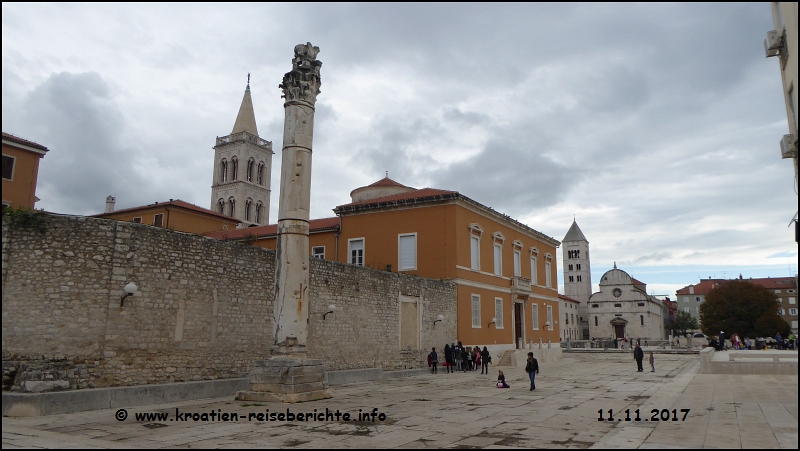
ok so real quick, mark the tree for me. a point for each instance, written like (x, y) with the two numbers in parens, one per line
(683, 323)
(741, 307)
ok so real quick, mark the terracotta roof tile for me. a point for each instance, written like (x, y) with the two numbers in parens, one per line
(315, 225)
(19, 140)
(174, 203)
(706, 285)
(386, 181)
(567, 298)
(420, 194)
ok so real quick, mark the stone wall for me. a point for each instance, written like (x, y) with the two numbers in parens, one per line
(203, 309)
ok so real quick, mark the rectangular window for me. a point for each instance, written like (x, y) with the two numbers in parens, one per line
(498, 312)
(595, 321)
(793, 311)
(475, 252)
(476, 311)
(318, 252)
(137, 220)
(535, 316)
(408, 252)
(686, 309)
(158, 220)
(550, 317)
(8, 167)
(547, 276)
(566, 318)
(534, 269)
(617, 305)
(498, 262)
(794, 325)
(640, 304)
(356, 251)
(792, 301)
(517, 264)
(641, 318)
(697, 298)
(777, 291)
(782, 312)
(595, 305)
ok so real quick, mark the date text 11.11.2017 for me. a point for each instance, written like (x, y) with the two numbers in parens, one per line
(656, 415)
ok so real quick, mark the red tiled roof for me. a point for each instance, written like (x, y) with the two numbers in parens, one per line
(386, 181)
(315, 225)
(19, 140)
(706, 285)
(567, 298)
(174, 203)
(420, 194)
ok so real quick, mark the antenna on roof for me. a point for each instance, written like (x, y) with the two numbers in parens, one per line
(387, 174)
(248, 78)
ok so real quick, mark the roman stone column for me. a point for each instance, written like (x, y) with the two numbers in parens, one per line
(288, 375)
(300, 88)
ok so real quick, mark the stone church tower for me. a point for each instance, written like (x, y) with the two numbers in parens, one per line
(242, 169)
(577, 274)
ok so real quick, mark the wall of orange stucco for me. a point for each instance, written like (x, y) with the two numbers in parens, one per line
(20, 191)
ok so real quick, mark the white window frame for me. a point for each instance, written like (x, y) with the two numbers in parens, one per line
(497, 249)
(517, 263)
(535, 316)
(686, 310)
(350, 250)
(13, 166)
(550, 317)
(498, 313)
(475, 306)
(792, 312)
(400, 237)
(792, 301)
(475, 252)
(162, 219)
(316, 254)
(534, 270)
(134, 220)
(548, 277)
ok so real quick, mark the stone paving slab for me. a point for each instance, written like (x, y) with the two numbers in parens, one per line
(466, 410)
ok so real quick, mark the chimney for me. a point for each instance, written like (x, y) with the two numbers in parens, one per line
(110, 201)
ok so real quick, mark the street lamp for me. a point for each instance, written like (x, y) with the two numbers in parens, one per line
(331, 309)
(130, 289)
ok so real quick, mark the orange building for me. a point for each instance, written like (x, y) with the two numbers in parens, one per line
(175, 214)
(20, 171)
(505, 271)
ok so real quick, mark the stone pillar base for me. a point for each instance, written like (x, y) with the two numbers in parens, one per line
(286, 379)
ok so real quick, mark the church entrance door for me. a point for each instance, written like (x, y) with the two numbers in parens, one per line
(619, 331)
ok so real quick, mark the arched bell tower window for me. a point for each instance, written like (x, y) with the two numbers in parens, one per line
(250, 167)
(223, 171)
(259, 208)
(248, 207)
(234, 168)
(232, 207)
(260, 173)
(221, 206)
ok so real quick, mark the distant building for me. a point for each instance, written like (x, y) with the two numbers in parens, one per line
(570, 328)
(505, 271)
(577, 274)
(175, 214)
(240, 185)
(20, 171)
(622, 308)
(691, 297)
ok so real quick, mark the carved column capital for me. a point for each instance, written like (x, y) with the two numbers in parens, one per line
(303, 81)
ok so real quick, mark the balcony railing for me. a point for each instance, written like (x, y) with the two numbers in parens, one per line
(521, 284)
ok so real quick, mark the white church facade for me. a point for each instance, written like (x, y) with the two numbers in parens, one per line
(623, 309)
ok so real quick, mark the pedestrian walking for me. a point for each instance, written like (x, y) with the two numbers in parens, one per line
(433, 360)
(485, 359)
(448, 358)
(652, 363)
(464, 359)
(638, 355)
(532, 368)
(721, 341)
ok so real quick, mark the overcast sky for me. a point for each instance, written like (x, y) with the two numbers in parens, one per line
(658, 126)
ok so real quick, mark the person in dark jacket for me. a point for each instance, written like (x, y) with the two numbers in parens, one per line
(464, 359)
(485, 360)
(532, 368)
(448, 357)
(434, 359)
(638, 355)
(501, 380)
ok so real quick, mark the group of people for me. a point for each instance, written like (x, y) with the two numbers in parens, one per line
(736, 342)
(638, 355)
(460, 358)
(457, 357)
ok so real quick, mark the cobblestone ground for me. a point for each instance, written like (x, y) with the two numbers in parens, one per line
(467, 410)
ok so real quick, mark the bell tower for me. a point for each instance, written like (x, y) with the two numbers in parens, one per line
(240, 186)
(578, 274)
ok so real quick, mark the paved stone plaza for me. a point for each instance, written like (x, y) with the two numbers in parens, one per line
(466, 410)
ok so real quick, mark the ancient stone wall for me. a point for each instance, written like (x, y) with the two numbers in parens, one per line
(203, 309)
